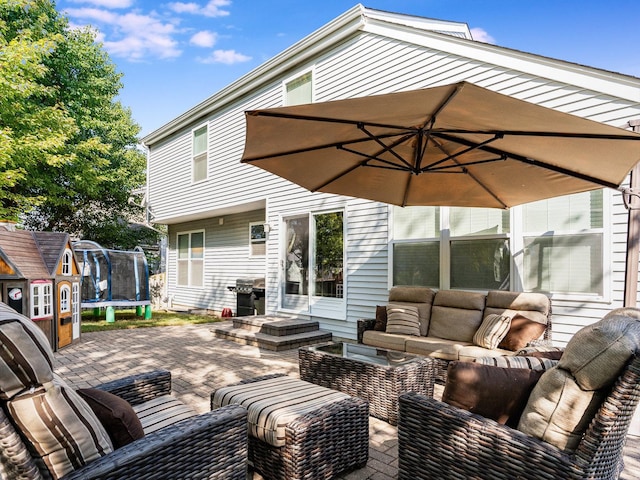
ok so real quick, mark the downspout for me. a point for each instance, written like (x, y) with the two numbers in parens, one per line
(633, 231)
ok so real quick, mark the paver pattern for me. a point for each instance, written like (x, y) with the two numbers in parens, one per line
(200, 363)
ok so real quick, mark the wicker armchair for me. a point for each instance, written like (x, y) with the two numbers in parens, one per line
(437, 440)
(212, 445)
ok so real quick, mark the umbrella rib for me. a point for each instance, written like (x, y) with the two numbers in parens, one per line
(320, 147)
(457, 89)
(534, 162)
(312, 118)
(526, 133)
(431, 167)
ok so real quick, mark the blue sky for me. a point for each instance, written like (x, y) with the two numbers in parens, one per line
(175, 54)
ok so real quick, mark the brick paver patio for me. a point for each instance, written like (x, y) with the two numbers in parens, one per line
(200, 363)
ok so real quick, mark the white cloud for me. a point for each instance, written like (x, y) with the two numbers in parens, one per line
(211, 9)
(204, 38)
(228, 57)
(480, 35)
(107, 3)
(132, 35)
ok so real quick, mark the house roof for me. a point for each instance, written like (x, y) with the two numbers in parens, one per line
(453, 37)
(32, 255)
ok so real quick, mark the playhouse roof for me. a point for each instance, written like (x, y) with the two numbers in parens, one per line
(31, 255)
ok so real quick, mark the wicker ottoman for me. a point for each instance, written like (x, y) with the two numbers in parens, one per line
(298, 430)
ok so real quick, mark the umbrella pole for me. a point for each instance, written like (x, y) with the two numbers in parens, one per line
(633, 234)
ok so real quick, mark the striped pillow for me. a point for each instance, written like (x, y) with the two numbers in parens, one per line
(492, 330)
(404, 320)
(513, 361)
(274, 403)
(60, 426)
(26, 359)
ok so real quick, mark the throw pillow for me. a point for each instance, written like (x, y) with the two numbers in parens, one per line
(381, 318)
(522, 332)
(518, 361)
(558, 410)
(492, 392)
(403, 320)
(492, 330)
(596, 354)
(26, 359)
(60, 426)
(116, 415)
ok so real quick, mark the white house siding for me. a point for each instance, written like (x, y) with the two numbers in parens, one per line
(368, 63)
(226, 259)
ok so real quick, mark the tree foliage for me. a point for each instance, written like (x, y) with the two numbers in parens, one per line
(68, 156)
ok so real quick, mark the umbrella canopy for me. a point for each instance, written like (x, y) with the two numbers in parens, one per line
(454, 145)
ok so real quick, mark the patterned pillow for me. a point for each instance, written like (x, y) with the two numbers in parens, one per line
(26, 359)
(492, 330)
(60, 426)
(518, 361)
(403, 320)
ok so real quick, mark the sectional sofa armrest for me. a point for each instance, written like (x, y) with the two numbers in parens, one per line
(365, 324)
(430, 430)
(212, 445)
(137, 389)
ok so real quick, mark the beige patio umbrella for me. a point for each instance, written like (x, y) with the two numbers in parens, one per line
(454, 145)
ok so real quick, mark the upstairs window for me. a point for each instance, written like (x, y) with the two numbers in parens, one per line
(299, 90)
(199, 154)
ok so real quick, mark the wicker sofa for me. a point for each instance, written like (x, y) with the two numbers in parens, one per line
(50, 430)
(449, 319)
(573, 426)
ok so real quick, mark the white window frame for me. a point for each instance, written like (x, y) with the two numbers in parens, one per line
(41, 300)
(292, 78)
(256, 241)
(327, 307)
(65, 299)
(189, 260)
(194, 157)
(607, 202)
(516, 238)
(67, 262)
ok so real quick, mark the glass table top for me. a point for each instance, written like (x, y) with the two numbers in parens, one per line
(365, 353)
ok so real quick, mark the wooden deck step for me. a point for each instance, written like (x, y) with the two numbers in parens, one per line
(273, 325)
(248, 334)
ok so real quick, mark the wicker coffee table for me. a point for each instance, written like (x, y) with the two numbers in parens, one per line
(373, 374)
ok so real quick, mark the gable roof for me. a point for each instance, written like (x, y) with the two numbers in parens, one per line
(32, 255)
(52, 245)
(21, 249)
(450, 37)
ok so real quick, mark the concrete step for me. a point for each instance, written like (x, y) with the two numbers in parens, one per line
(227, 331)
(273, 325)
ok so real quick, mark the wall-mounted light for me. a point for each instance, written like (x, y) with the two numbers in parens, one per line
(267, 228)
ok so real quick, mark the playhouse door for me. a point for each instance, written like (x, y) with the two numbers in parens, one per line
(65, 324)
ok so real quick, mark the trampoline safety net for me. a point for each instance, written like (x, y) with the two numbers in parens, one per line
(112, 277)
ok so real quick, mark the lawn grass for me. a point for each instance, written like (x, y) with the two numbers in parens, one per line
(125, 319)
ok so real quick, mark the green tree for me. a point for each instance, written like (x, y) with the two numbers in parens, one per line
(81, 179)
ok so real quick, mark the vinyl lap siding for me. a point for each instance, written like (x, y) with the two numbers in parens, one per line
(226, 258)
(365, 64)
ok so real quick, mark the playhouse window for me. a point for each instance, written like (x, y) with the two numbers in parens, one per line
(65, 306)
(41, 300)
(191, 259)
(67, 259)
